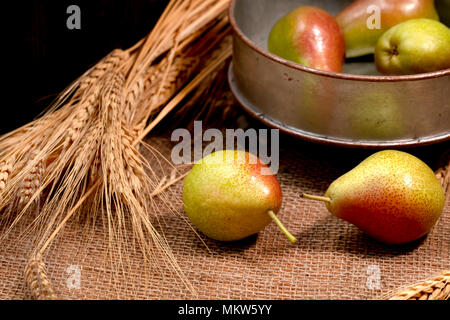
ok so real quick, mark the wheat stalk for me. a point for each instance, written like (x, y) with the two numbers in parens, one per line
(32, 182)
(88, 140)
(166, 182)
(436, 288)
(443, 174)
(177, 75)
(164, 81)
(114, 59)
(6, 167)
(37, 280)
(83, 114)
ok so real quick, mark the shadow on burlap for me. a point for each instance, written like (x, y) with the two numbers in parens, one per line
(331, 260)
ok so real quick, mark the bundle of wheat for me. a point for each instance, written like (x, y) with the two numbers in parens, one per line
(82, 156)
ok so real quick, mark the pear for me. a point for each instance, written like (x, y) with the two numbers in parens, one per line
(392, 196)
(414, 46)
(309, 36)
(359, 21)
(230, 195)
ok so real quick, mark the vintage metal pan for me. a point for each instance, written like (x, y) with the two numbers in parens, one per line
(356, 108)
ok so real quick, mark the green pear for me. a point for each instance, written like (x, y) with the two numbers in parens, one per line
(392, 196)
(230, 195)
(364, 21)
(414, 46)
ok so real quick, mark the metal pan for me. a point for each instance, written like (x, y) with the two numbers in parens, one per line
(356, 108)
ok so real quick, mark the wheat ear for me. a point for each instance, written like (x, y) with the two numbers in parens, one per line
(110, 62)
(437, 288)
(443, 175)
(37, 280)
(32, 181)
(6, 167)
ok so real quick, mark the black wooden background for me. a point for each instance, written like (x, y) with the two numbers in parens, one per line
(52, 55)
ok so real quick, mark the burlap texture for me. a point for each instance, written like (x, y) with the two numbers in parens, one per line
(331, 260)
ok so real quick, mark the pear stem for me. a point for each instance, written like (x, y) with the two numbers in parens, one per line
(291, 238)
(317, 198)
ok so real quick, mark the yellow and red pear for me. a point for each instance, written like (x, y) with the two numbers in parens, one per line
(309, 36)
(392, 196)
(230, 195)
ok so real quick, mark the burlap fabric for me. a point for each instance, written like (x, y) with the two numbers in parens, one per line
(331, 260)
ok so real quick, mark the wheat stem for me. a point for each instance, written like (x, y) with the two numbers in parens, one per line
(177, 99)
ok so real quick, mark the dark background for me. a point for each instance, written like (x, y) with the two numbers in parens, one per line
(44, 56)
